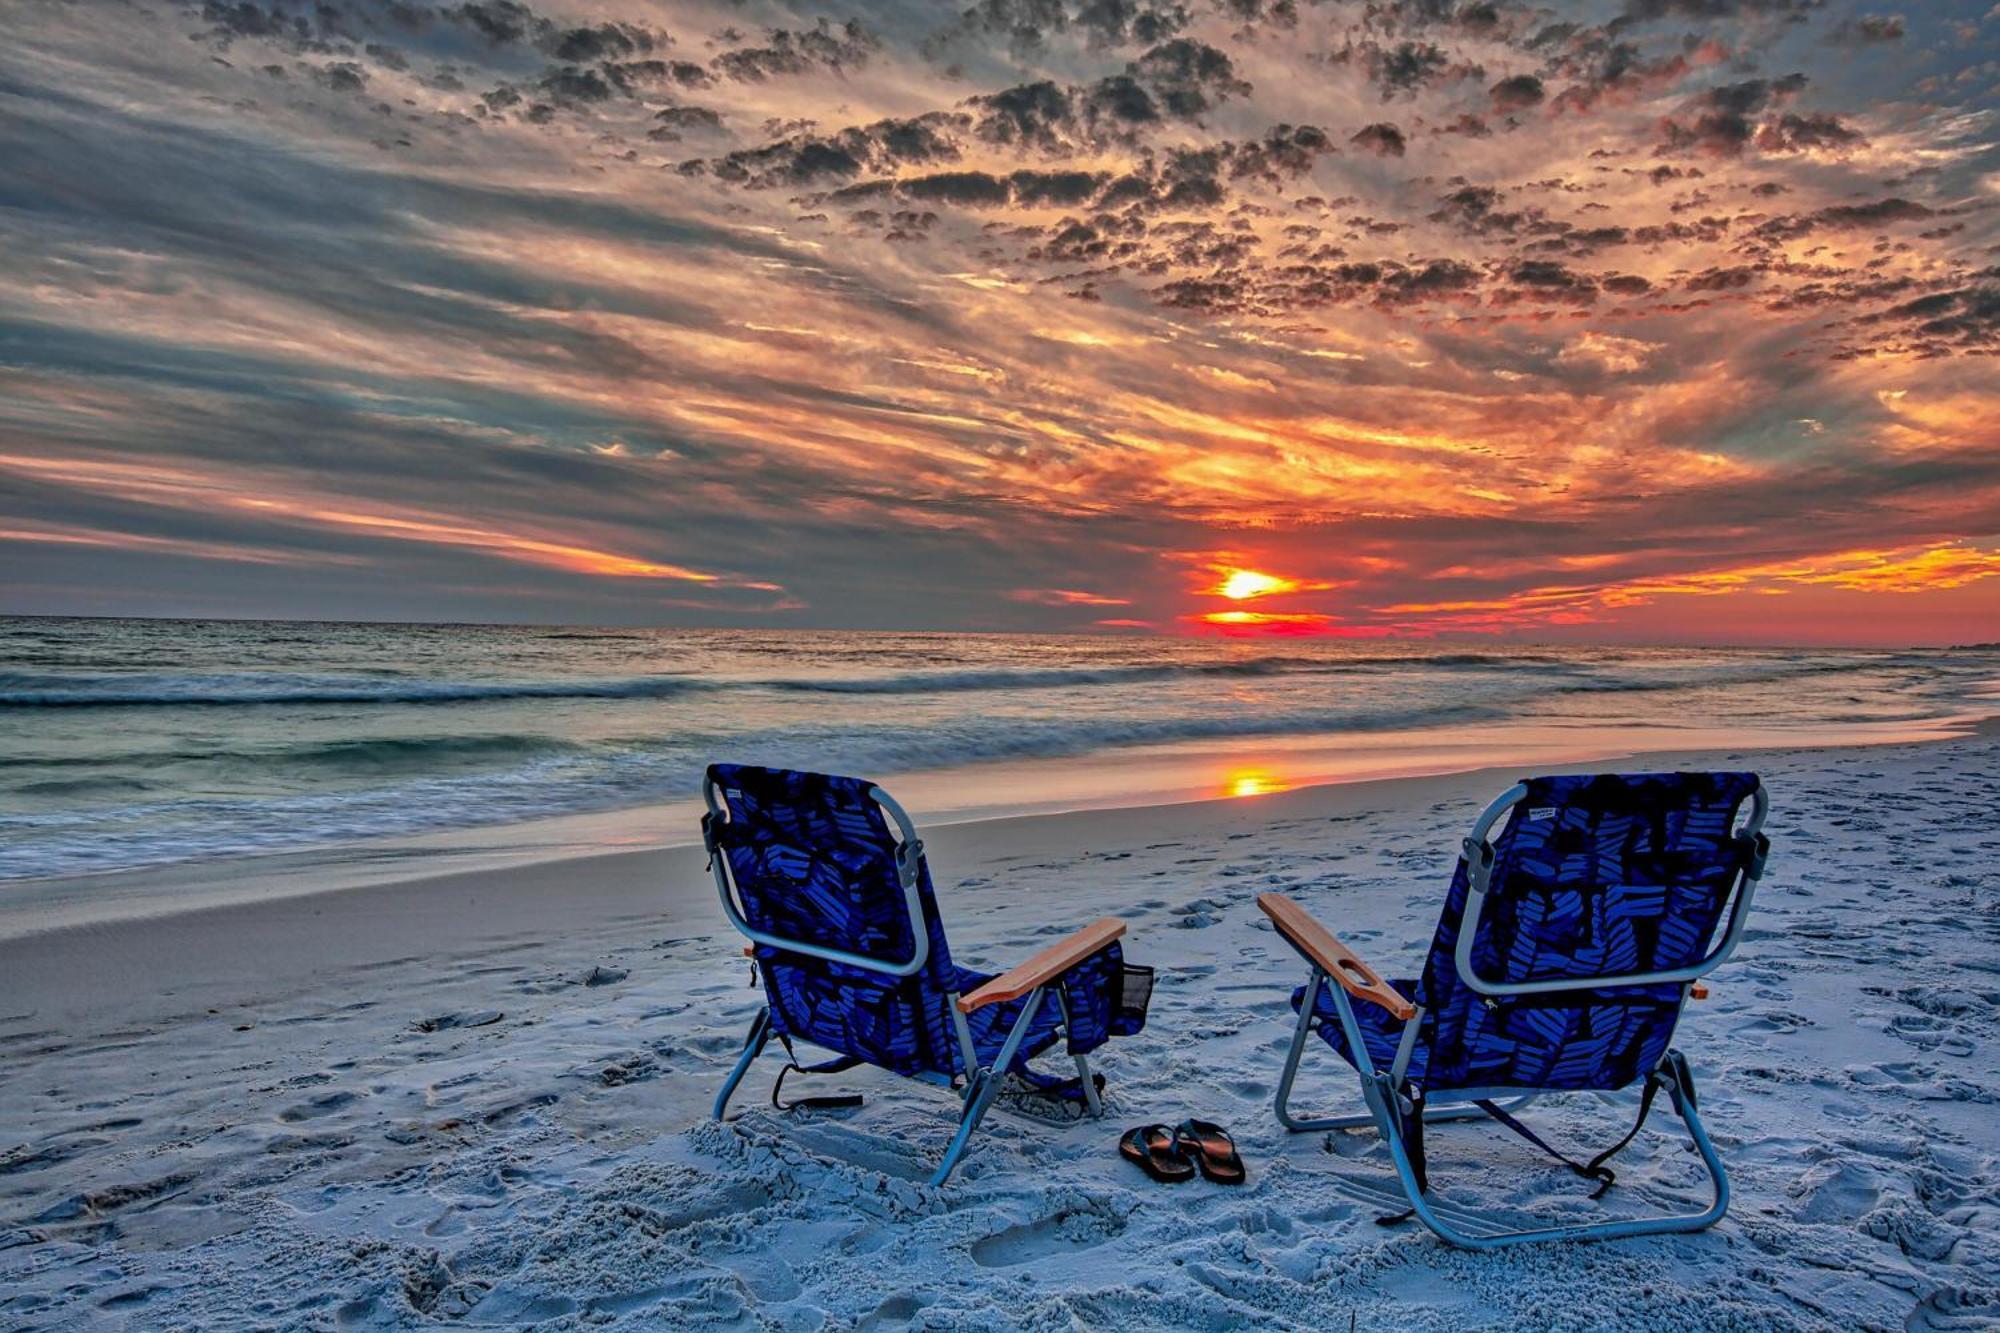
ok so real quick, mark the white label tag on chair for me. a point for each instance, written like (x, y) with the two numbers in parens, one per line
(1543, 812)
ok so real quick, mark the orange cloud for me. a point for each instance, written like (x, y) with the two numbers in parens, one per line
(1924, 571)
(1065, 597)
(190, 489)
(1909, 570)
(236, 552)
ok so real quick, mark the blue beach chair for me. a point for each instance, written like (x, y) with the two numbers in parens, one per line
(848, 944)
(1565, 952)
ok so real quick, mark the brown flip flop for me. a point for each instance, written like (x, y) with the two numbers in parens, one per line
(1211, 1148)
(1155, 1150)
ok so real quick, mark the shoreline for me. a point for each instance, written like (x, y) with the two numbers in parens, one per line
(198, 954)
(33, 906)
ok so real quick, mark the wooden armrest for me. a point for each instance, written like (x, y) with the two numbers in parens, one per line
(1045, 966)
(1334, 958)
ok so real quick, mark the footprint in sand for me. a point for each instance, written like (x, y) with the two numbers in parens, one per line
(1835, 1191)
(1067, 1232)
(314, 1108)
(1199, 914)
(444, 1022)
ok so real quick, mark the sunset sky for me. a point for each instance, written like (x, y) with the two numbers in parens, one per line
(1655, 320)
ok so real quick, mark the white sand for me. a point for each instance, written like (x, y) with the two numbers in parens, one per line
(227, 1118)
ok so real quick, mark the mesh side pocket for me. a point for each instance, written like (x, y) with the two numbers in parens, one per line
(1135, 993)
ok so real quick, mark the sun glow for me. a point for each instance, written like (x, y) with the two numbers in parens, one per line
(1242, 584)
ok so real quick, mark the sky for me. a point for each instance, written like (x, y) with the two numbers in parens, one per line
(1635, 321)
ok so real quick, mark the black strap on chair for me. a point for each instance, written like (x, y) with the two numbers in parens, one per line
(1412, 1128)
(1594, 1169)
(826, 1102)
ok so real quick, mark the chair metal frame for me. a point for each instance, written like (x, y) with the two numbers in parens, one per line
(1385, 1094)
(982, 1083)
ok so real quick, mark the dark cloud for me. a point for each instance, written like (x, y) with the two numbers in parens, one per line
(1867, 30)
(501, 22)
(678, 120)
(975, 188)
(1038, 115)
(1721, 123)
(1384, 284)
(1543, 281)
(1517, 93)
(1029, 25)
(1406, 67)
(1843, 217)
(1713, 133)
(1475, 209)
(245, 19)
(1965, 319)
(342, 76)
(807, 159)
(1438, 279)
(1188, 77)
(981, 189)
(1481, 19)
(1055, 189)
(1797, 134)
(1176, 80)
(1722, 279)
(1646, 11)
(571, 86)
(1752, 94)
(1051, 118)
(793, 52)
(1382, 139)
(603, 41)
(1606, 71)
(1284, 154)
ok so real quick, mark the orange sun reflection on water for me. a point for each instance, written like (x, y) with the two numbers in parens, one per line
(1254, 782)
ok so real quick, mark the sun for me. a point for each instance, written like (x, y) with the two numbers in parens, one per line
(1241, 584)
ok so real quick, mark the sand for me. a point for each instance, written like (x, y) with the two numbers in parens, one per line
(481, 1099)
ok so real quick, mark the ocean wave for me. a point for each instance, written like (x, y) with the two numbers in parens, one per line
(226, 689)
(607, 775)
(391, 754)
(1698, 678)
(223, 689)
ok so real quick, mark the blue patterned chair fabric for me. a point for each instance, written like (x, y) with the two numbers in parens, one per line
(1592, 876)
(813, 860)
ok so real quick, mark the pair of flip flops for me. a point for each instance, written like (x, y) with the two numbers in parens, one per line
(1172, 1154)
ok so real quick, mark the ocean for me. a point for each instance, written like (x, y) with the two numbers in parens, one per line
(129, 743)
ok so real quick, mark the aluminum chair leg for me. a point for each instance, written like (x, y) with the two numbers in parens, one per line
(985, 1086)
(1302, 1035)
(1090, 1097)
(753, 1046)
(1680, 1088)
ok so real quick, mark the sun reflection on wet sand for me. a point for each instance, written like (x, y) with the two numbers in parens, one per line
(1254, 782)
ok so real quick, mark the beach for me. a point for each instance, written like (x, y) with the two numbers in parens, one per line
(482, 1098)
(1193, 456)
